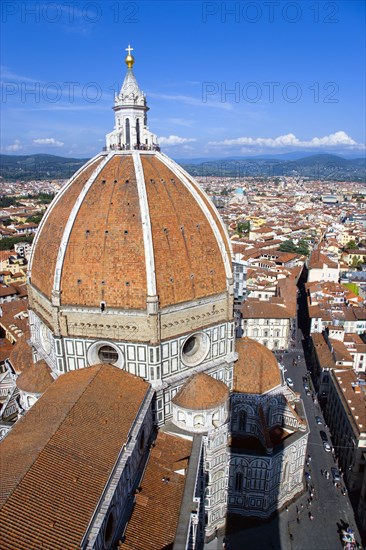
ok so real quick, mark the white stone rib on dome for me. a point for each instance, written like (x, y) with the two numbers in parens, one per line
(146, 226)
(182, 175)
(70, 221)
(193, 182)
(49, 210)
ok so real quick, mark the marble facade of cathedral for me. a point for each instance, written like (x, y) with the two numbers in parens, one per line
(135, 397)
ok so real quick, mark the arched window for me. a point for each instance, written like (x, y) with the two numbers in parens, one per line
(128, 138)
(138, 132)
(238, 481)
(181, 417)
(242, 421)
(198, 421)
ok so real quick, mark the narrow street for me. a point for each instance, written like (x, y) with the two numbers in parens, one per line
(331, 510)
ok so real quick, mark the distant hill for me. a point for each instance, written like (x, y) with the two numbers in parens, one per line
(320, 166)
(42, 166)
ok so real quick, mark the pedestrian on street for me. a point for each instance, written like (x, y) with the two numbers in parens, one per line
(311, 517)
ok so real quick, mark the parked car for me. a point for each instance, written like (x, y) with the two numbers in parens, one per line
(336, 475)
(289, 382)
(307, 476)
(318, 420)
(323, 436)
(327, 448)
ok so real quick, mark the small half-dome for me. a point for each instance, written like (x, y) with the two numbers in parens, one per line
(256, 370)
(36, 378)
(21, 356)
(201, 391)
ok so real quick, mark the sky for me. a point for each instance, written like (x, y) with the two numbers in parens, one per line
(222, 79)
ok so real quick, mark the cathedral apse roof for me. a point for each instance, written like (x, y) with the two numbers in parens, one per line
(201, 391)
(256, 370)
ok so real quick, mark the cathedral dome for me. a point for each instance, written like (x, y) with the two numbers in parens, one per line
(130, 244)
(128, 227)
(256, 370)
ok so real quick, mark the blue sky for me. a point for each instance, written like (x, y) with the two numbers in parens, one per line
(221, 78)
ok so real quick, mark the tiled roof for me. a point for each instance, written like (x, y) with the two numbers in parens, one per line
(21, 355)
(58, 458)
(340, 352)
(317, 260)
(5, 349)
(256, 370)
(15, 317)
(201, 391)
(189, 243)
(36, 378)
(261, 309)
(155, 515)
(49, 237)
(9, 290)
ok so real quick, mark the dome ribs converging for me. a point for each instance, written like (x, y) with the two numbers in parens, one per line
(105, 247)
(50, 233)
(187, 256)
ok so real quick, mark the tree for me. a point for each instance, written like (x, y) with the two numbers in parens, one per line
(287, 246)
(5, 202)
(303, 247)
(356, 264)
(35, 219)
(351, 245)
(8, 242)
(243, 227)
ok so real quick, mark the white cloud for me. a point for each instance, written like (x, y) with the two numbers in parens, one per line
(14, 147)
(174, 140)
(338, 139)
(48, 141)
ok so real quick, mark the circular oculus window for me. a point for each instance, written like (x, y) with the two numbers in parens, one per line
(108, 354)
(195, 349)
(104, 352)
